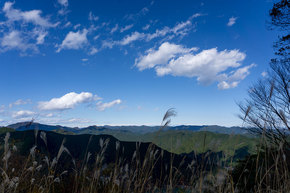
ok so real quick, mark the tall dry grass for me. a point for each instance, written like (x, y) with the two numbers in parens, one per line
(267, 170)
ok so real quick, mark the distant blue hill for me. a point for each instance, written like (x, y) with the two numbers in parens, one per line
(23, 126)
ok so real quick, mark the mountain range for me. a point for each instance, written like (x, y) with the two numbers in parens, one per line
(21, 126)
(175, 139)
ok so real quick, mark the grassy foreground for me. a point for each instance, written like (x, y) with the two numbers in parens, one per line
(44, 166)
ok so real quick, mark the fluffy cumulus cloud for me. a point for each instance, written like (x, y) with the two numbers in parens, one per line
(23, 114)
(23, 30)
(161, 56)
(207, 66)
(33, 16)
(15, 40)
(67, 101)
(103, 106)
(74, 40)
(232, 21)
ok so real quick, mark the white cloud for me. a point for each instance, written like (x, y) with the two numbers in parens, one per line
(114, 28)
(77, 26)
(40, 37)
(207, 66)
(135, 36)
(49, 115)
(232, 80)
(68, 122)
(127, 27)
(63, 2)
(92, 17)
(158, 33)
(232, 21)
(146, 27)
(32, 16)
(108, 44)
(195, 15)
(68, 24)
(74, 40)
(103, 106)
(68, 101)
(93, 51)
(135, 16)
(2, 109)
(30, 36)
(264, 74)
(14, 40)
(23, 114)
(85, 59)
(180, 29)
(161, 56)
(20, 102)
(96, 37)
(131, 38)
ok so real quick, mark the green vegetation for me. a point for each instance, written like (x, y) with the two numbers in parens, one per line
(186, 141)
(5, 130)
(38, 161)
(178, 142)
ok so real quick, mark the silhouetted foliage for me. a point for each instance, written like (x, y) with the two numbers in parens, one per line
(267, 112)
(280, 15)
(268, 170)
(268, 108)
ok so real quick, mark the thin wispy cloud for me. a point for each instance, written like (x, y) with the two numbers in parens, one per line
(181, 29)
(93, 51)
(63, 2)
(232, 21)
(19, 102)
(127, 27)
(23, 114)
(103, 106)
(136, 16)
(146, 27)
(264, 74)
(92, 17)
(114, 28)
(131, 38)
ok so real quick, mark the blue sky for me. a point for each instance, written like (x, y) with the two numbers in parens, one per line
(114, 62)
